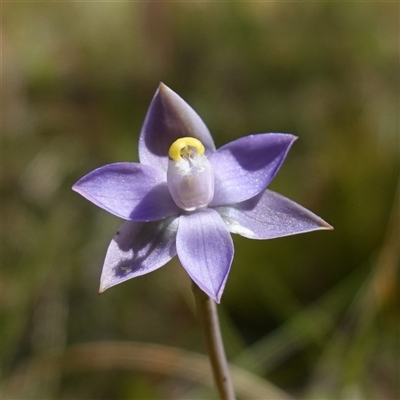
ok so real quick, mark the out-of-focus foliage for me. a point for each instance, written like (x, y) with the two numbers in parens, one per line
(316, 315)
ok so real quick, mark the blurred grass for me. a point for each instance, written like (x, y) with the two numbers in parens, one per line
(130, 356)
(315, 314)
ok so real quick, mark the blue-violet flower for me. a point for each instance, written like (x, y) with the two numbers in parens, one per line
(185, 197)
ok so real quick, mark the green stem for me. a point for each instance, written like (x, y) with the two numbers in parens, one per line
(207, 311)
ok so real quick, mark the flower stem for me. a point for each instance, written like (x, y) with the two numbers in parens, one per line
(207, 312)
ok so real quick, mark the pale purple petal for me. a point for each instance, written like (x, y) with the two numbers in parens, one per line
(205, 249)
(270, 215)
(129, 190)
(169, 118)
(245, 167)
(137, 249)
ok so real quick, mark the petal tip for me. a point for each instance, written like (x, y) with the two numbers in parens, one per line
(327, 226)
(77, 188)
(216, 296)
(291, 139)
(163, 88)
(103, 287)
(217, 299)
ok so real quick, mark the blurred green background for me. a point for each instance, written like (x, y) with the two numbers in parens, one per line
(315, 315)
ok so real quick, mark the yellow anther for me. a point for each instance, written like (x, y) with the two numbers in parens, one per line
(181, 147)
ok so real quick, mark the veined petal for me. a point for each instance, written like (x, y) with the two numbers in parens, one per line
(245, 167)
(137, 249)
(270, 215)
(168, 119)
(205, 249)
(131, 191)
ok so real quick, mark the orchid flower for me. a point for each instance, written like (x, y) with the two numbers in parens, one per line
(185, 197)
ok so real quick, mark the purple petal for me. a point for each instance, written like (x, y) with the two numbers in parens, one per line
(169, 118)
(244, 167)
(129, 190)
(205, 249)
(137, 249)
(270, 215)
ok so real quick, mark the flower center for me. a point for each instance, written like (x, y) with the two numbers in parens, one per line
(190, 176)
(184, 147)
